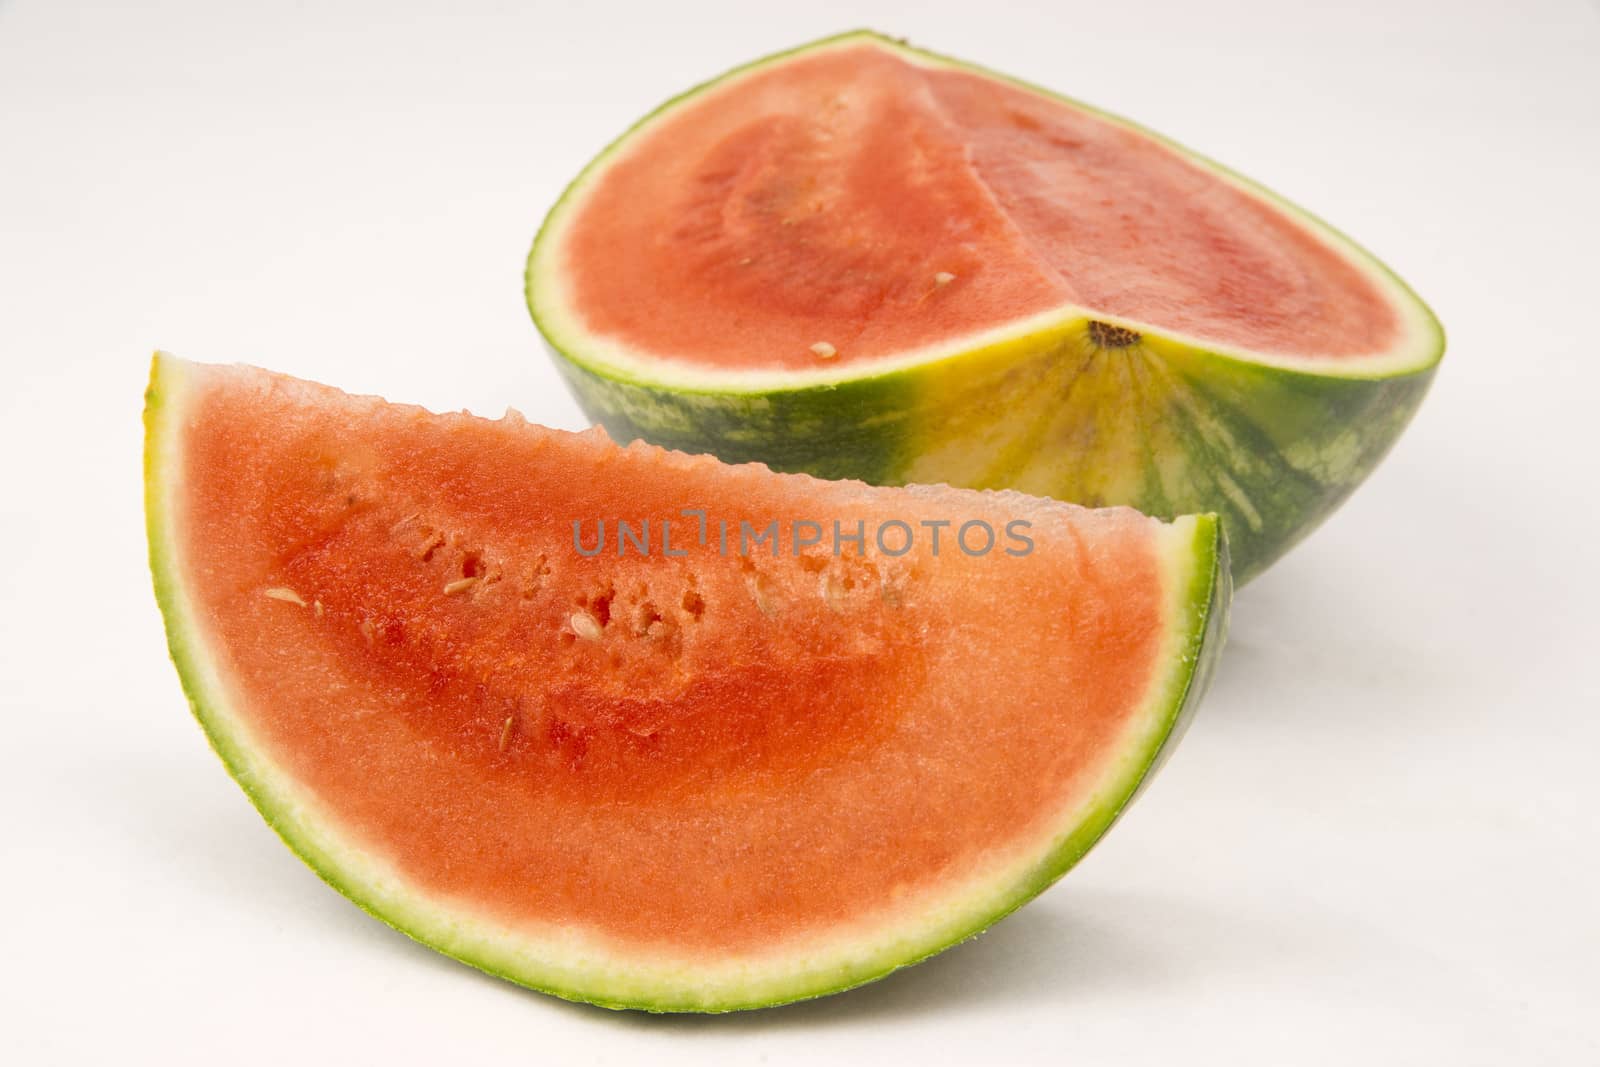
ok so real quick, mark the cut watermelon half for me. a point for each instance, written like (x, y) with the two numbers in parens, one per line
(864, 260)
(679, 779)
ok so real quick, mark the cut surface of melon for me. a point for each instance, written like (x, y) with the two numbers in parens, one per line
(857, 204)
(681, 782)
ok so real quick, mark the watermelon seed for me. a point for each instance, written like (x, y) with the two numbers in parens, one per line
(823, 350)
(429, 547)
(279, 592)
(760, 592)
(944, 277)
(316, 606)
(585, 626)
(833, 591)
(460, 585)
(505, 732)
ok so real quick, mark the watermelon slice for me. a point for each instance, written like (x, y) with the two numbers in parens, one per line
(676, 778)
(863, 260)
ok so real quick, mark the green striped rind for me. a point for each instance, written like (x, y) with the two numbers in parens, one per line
(1170, 425)
(576, 966)
(849, 429)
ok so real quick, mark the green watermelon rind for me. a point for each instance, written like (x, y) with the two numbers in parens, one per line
(1272, 480)
(582, 971)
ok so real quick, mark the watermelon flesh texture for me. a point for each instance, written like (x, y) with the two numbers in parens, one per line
(856, 198)
(696, 782)
(863, 260)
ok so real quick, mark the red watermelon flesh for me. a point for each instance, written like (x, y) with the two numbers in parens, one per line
(679, 782)
(877, 202)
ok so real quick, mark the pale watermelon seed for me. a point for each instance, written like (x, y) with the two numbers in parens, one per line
(585, 626)
(761, 594)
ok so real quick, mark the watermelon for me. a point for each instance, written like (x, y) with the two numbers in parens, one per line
(863, 260)
(634, 767)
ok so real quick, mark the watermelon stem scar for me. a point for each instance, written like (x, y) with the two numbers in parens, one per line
(1105, 335)
(698, 782)
(860, 259)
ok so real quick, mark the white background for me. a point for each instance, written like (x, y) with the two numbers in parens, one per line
(1376, 845)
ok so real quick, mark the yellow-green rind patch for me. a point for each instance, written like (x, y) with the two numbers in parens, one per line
(1162, 426)
(577, 966)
